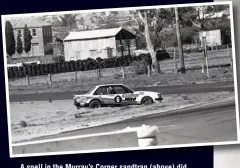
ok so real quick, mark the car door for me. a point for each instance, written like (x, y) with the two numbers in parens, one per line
(102, 94)
(123, 95)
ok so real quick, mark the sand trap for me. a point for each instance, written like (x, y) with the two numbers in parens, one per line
(44, 118)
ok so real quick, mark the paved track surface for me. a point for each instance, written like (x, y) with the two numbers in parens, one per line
(202, 124)
(198, 88)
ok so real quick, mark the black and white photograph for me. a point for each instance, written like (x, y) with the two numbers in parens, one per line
(120, 79)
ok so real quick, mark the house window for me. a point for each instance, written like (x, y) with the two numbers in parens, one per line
(34, 32)
(19, 33)
(35, 44)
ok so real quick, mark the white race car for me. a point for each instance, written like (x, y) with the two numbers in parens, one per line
(115, 95)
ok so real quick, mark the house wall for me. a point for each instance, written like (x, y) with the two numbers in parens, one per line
(37, 43)
(93, 48)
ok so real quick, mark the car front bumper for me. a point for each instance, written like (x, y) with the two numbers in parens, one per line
(79, 104)
(159, 99)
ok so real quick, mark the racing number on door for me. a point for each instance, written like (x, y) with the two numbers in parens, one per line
(118, 99)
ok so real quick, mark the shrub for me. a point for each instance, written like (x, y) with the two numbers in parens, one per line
(139, 67)
(162, 55)
(146, 58)
(23, 123)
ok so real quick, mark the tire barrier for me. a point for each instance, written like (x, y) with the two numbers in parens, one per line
(147, 135)
(72, 66)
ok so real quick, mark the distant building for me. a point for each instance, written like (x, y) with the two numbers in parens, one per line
(103, 43)
(41, 32)
(213, 37)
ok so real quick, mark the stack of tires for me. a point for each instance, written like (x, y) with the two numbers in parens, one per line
(21, 74)
(10, 72)
(46, 69)
(16, 72)
(50, 68)
(38, 71)
(24, 71)
(42, 67)
(76, 67)
(33, 70)
(80, 65)
(147, 135)
(55, 68)
(59, 67)
(72, 66)
(64, 69)
(29, 70)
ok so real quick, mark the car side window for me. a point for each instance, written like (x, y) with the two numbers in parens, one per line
(120, 90)
(101, 91)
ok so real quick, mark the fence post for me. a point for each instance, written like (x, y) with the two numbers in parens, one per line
(98, 74)
(28, 81)
(228, 53)
(216, 49)
(175, 62)
(149, 70)
(76, 76)
(123, 72)
(50, 78)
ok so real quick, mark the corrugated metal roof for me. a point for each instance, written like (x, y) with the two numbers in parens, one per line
(93, 34)
(31, 22)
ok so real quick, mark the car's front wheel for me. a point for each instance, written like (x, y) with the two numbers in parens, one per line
(95, 104)
(147, 100)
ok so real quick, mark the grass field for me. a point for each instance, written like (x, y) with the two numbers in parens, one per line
(166, 79)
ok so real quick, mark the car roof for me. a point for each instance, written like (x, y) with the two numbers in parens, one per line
(109, 85)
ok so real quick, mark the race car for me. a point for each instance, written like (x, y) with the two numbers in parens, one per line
(115, 95)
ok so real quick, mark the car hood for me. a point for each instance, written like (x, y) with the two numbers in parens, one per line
(145, 92)
(77, 96)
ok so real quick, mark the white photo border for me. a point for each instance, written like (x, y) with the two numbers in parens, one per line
(130, 148)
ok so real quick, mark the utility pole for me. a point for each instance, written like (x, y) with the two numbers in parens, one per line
(180, 49)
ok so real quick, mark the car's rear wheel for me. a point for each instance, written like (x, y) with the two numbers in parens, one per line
(95, 104)
(147, 100)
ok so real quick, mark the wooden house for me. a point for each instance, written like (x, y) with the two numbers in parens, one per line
(103, 43)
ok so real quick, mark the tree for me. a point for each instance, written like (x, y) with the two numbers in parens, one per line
(179, 41)
(27, 39)
(10, 41)
(152, 22)
(68, 20)
(200, 15)
(109, 26)
(19, 45)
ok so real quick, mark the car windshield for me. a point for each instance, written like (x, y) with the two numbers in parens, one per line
(91, 90)
(128, 88)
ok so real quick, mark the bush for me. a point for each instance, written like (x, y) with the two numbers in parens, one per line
(23, 123)
(139, 67)
(162, 55)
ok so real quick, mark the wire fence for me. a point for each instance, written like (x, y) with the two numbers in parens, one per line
(216, 58)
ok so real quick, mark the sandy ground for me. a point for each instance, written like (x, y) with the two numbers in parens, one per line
(45, 118)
